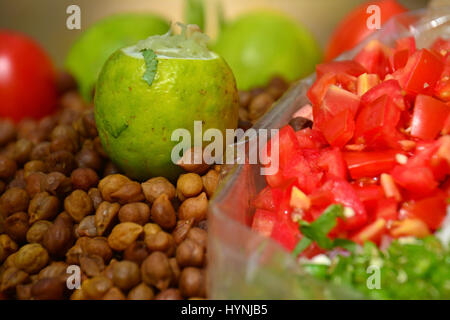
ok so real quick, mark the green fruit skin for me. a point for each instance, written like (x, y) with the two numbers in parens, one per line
(88, 54)
(135, 120)
(263, 44)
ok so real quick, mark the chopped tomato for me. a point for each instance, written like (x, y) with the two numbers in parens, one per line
(307, 175)
(418, 180)
(369, 196)
(429, 117)
(404, 48)
(390, 88)
(369, 164)
(431, 210)
(344, 194)
(285, 142)
(335, 101)
(321, 85)
(350, 67)
(310, 139)
(421, 72)
(268, 199)
(263, 222)
(285, 234)
(441, 46)
(374, 57)
(376, 123)
(339, 129)
(386, 209)
(332, 161)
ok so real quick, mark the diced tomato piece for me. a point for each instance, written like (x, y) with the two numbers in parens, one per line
(307, 175)
(332, 161)
(431, 210)
(441, 46)
(386, 209)
(442, 90)
(371, 232)
(335, 101)
(350, 67)
(275, 180)
(344, 194)
(404, 48)
(390, 88)
(369, 196)
(428, 117)
(374, 57)
(376, 123)
(417, 179)
(321, 198)
(284, 233)
(285, 144)
(310, 139)
(321, 85)
(263, 222)
(421, 72)
(366, 82)
(339, 129)
(268, 199)
(370, 163)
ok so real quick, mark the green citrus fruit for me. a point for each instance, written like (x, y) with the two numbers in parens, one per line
(97, 43)
(262, 44)
(136, 119)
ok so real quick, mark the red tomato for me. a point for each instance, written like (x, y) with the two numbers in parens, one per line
(375, 58)
(349, 67)
(441, 46)
(344, 194)
(386, 209)
(376, 123)
(334, 102)
(369, 196)
(419, 180)
(431, 210)
(339, 129)
(370, 163)
(404, 48)
(263, 222)
(353, 28)
(389, 87)
(308, 177)
(310, 139)
(27, 79)
(268, 199)
(429, 117)
(333, 163)
(421, 72)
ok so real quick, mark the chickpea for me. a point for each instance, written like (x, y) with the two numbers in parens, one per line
(188, 161)
(48, 289)
(34, 183)
(43, 206)
(210, 181)
(169, 294)
(96, 287)
(189, 185)
(37, 231)
(96, 197)
(91, 265)
(105, 216)
(33, 166)
(11, 278)
(160, 241)
(31, 258)
(8, 168)
(114, 294)
(136, 252)
(141, 292)
(151, 228)
(156, 271)
(98, 246)
(16, 226)
(126, 274)
(87, 228)
(7, 247)
(198, 235)
(60, 161)
(78, 205)
(192, 282)
(190, 254)
(181, 230)
(123, 235)
(57, 184)
(111, 184)
(163, 212)
(194, 208)
(155, 187)
(13, 200)
(84, 178)
(59, 236)
(137, 212)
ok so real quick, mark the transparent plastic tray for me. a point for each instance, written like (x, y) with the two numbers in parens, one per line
(244, 265)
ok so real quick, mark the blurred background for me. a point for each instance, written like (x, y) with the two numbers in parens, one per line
(45, 20)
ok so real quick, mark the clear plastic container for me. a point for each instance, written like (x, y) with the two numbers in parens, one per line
(245, 265)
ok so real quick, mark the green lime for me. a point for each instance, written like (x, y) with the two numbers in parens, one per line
(98, 42)
(136, 119)
(262, 44)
